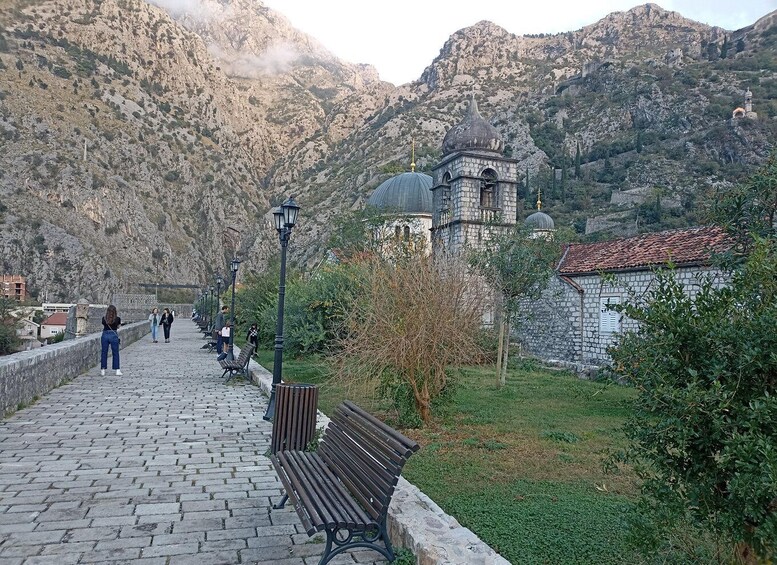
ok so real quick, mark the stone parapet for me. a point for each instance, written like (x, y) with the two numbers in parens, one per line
(27, 375)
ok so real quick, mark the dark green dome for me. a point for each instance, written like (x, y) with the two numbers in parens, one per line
(406, 193)
(540, 221)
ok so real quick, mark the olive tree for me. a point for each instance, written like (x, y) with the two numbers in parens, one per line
(518, 266)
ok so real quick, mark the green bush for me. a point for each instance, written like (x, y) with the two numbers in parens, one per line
(8, 339)
(315, 307)
(702, 430)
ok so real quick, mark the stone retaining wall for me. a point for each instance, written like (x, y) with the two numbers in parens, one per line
(30, 374)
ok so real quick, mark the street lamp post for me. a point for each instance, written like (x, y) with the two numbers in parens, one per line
(219, 282)
(285, 217)
(234, 266)
(211, 290)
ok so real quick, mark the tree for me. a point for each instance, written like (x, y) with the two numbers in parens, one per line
(750, 208)
(412, 321)
(702, 430)
(577, 162)
(528, 184)
(8, 324)
(638, 143)
(518, 266)
(373, 230)
(564, 176)
(724, 48)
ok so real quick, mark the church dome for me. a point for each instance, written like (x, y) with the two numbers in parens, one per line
(473, 132)
(406, 193)
(539, 221)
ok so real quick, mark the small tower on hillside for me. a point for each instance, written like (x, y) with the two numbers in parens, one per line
(747, 111)
(474, 187)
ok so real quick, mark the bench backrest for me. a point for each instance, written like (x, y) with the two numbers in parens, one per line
(245, 354)
(366, 455)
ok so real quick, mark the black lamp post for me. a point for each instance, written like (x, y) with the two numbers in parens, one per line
(234, 266)
(219, 282)
(285, 217)
(212, 292)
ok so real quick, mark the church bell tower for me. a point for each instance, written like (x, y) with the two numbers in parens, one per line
(473, 188)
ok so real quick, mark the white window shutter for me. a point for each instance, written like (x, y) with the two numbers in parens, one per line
(609, 320)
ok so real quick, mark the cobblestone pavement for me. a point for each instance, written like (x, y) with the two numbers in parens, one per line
(162, 466)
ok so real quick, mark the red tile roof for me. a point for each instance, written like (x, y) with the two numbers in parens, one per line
(690, 246)
(56, 319)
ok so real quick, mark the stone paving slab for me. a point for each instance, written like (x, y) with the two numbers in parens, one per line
(164, 465)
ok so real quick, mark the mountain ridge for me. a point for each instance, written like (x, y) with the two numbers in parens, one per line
(180, 147)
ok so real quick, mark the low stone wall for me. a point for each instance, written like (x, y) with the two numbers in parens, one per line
(30, 374)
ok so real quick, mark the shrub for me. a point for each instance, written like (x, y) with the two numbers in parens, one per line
(702, 430)
(412, 321)
(8, 339)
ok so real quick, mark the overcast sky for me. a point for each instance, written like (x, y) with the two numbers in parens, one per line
(401, 37)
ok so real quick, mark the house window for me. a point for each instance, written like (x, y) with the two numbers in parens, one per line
(407, 233)
(609, 320)
(397, 232)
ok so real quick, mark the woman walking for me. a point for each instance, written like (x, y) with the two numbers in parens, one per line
(154, 320)
(167, 321)
(110, 336)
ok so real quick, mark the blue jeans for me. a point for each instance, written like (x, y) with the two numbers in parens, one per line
(154, 330)
(219, 344)
(109, 338)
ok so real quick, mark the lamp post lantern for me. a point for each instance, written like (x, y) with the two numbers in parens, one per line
(285, 217)
(234, 266)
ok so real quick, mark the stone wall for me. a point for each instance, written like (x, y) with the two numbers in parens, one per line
(30, 374)
(566, 323)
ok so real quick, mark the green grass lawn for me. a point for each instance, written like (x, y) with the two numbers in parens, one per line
(520, 465)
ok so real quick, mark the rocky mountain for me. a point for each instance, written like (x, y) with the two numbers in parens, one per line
(136, 142)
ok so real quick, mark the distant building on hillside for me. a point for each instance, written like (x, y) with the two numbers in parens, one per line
(747, 111)
(13, 287)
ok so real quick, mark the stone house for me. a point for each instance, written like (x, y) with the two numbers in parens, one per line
(572, 322)
(53, 325)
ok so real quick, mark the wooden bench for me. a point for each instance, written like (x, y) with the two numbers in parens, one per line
(344, 488)
(239, 365)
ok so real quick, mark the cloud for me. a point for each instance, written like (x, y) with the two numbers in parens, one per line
(197, 10)
(276, 59)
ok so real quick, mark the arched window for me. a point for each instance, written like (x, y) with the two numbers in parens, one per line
(489, 198)
(446, 191)
(397, 232)
(407, 233)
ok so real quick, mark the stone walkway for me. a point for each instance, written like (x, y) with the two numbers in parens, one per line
(162, 466)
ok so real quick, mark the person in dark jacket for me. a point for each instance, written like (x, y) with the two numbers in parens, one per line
(252, 335)
(167, 321)
(218, 326)
(110, 337)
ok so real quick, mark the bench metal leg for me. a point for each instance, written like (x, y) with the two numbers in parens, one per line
(281, 502)
(363, 539)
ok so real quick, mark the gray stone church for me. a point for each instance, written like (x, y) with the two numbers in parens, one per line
(474, 197)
